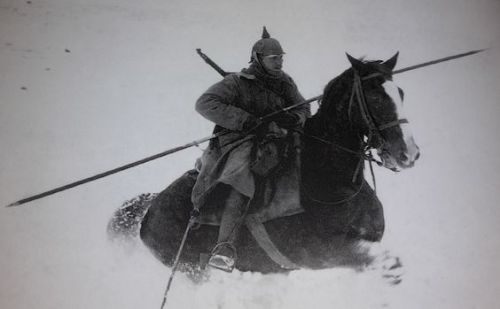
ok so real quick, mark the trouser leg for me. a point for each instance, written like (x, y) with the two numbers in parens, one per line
(233, 217)
(224, 253)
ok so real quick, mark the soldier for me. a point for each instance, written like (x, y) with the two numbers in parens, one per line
(254, 168)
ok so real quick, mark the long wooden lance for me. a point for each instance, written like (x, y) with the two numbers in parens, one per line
(215, 135)
(421, 65)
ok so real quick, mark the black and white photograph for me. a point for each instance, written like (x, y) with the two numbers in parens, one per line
(249, 154)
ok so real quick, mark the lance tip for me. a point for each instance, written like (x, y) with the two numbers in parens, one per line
(13, 204)
(480, 50)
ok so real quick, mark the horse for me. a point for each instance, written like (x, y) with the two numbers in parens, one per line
(360, 112)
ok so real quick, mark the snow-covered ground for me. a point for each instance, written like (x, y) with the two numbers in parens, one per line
(86, 86)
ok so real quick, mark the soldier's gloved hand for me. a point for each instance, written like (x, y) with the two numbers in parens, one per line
(251, 124)
(287, 120)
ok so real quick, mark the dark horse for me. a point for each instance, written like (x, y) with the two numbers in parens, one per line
(360, 110)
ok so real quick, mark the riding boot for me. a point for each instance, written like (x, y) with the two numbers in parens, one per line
(224, 253)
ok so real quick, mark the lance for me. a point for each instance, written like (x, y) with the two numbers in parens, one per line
(216, 135)
(223, 73)
(421, 65)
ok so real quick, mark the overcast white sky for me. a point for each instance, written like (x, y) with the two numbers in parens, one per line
(86, 86)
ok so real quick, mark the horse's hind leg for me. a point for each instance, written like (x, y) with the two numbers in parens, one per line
(125, 223)
(166, 220)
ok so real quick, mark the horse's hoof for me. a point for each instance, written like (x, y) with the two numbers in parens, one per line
(392, 269)
(390, 266)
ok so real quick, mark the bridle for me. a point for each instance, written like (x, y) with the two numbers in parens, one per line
(374, 131)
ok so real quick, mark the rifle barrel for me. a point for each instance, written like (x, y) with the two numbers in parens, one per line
(211, 63)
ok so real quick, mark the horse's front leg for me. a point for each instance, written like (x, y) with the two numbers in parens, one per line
(369, 222)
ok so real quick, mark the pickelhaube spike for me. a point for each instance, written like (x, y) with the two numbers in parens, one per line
(265, 34)
(266, 46)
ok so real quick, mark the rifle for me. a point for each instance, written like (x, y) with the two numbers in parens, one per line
(223, 73)
(211, 63)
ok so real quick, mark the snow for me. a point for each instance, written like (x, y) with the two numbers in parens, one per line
(87, 86)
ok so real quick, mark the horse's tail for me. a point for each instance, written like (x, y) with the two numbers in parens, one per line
(126, 220)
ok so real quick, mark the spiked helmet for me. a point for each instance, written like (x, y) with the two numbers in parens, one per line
(266, 46)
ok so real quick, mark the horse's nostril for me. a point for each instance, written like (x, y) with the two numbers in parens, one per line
(417, 156)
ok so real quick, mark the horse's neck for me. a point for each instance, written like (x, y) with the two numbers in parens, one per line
(332, 154)
(338, 130)
(337, 143)
(328, 170)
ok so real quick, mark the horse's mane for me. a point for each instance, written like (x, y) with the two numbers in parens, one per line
(334, 92)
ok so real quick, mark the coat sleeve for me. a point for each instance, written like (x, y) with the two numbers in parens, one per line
(295, 97)
(217, 104)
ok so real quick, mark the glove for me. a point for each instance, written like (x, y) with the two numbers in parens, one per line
(287, 120)
(251, 124)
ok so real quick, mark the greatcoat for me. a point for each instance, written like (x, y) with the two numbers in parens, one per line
(230, 104)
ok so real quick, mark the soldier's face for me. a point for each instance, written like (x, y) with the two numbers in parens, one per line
(273, 63)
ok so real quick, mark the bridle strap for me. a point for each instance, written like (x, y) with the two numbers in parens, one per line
(373, 75)
(357, 89)
(360, 154)
(373, 130)
(393, 124)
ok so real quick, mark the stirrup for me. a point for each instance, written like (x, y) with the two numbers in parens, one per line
(223, 262)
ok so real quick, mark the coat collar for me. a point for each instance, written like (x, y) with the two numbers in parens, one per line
(246, 75)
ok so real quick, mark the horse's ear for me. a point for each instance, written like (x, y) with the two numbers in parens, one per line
(391, 63)
(356, 64)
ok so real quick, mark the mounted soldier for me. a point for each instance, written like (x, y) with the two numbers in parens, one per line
(253, 170)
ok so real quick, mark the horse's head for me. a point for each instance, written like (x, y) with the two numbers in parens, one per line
(380, 104)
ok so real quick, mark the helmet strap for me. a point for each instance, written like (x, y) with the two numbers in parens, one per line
(256, 58)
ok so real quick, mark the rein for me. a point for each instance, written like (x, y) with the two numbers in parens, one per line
(360, 154)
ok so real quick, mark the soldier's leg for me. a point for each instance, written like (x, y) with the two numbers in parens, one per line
(224, 254)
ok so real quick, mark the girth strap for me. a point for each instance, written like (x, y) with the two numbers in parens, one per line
(260, 234)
